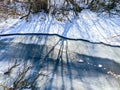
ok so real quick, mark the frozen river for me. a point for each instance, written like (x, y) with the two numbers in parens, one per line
(58, 63)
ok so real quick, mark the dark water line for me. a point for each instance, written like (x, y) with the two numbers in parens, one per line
(65, 38)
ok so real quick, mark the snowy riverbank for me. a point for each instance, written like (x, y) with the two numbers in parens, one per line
(88, 26)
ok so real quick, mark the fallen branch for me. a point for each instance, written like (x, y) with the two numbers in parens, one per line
(11, 68)
(27, 13)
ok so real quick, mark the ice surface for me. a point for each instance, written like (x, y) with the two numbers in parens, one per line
(64, 64)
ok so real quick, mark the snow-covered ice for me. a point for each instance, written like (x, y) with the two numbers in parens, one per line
(64, 64)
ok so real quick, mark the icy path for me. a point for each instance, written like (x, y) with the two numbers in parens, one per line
(88, 26)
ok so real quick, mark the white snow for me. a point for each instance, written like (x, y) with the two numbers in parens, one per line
(81, 61)
(88, 26)
(100, 65)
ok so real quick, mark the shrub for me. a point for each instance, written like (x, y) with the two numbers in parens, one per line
(39, 5)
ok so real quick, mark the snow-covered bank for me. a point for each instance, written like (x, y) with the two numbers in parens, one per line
(88, 26)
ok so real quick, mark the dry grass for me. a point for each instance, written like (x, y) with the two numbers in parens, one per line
(37, 6)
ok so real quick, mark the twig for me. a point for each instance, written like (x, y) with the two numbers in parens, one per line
(10, 69)
(28, 13)
(20, 78)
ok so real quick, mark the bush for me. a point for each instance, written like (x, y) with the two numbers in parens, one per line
(39, 5)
